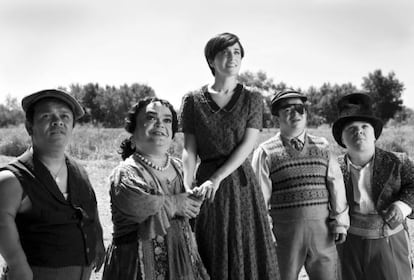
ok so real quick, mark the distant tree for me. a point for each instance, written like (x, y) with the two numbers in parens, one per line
(108, 105)
(11, 113)
(323, 102)
(261, 81)
(403, 117)
(386, 92)
(266, 86)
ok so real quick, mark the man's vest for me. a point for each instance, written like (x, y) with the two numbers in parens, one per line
(298, 178)
(56, 232)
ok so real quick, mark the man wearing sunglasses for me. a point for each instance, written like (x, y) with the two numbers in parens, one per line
(303, 188)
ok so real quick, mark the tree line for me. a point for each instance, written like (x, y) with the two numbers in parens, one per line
(107, 106)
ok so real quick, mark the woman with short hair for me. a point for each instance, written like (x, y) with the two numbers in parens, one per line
(221, 123)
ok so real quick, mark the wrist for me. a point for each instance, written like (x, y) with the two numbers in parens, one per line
(215, 179)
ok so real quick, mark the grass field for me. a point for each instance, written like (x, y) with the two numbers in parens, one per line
(96, 149)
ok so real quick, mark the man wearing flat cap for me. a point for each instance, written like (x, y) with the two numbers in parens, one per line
(380, 192)
(304, 190)
(49, 224)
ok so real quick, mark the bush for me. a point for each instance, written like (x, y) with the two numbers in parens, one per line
(14, 147)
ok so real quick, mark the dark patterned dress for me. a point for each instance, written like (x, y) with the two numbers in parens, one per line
(232, 233)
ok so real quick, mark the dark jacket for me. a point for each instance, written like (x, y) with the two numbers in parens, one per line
(393, 179)
(56, 232)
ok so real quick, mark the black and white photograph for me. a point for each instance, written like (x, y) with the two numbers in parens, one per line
(196, 140)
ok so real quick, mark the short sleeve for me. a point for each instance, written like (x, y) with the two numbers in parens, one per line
(255, 118)
(187, 114)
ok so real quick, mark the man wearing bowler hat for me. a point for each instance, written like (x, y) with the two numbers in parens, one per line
(380, 192)
(49, 224)
(304, 190)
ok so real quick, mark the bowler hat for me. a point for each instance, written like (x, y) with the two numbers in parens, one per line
(355, 107)
(30, 100)
(282, 95)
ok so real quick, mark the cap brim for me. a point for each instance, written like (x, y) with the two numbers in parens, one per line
(275, 104)
(339, 124)
(31, 99)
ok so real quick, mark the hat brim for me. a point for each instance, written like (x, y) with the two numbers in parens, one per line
(73, 104)
(275, 104)
(340, 123)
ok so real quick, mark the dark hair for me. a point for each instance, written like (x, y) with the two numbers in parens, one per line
(31, 110)
(131, 122)
(219, 43)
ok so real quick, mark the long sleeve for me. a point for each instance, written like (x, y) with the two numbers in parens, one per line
(260, 164)
(407, 183)
(337, 197)
(134, 201)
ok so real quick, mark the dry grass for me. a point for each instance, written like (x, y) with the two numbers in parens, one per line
(97, 148)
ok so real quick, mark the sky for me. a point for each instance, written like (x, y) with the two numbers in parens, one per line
(51, 43)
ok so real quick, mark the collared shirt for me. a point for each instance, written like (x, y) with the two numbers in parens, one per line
(300, 137)
(334, 181)
(361, 177)
(362, 192)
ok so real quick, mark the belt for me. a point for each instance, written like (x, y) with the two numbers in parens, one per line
(371, 226)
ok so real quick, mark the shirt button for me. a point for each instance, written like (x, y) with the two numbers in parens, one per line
(87, 250)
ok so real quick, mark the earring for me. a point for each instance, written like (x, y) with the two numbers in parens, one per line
(133, 146)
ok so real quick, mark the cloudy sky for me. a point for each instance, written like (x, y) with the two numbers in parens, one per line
(50, 43)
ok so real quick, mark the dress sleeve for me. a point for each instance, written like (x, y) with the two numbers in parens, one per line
(138, 201)
(255, 118)
(187, 114)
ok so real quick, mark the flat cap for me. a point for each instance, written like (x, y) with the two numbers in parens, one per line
(29, 100)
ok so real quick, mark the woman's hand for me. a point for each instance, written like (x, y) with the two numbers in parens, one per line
(187, 206)
(208, 189)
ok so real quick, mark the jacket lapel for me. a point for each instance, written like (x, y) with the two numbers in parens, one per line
(383, 172)
(342, 160)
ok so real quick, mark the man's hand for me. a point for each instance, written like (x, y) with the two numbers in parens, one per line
(393, 216)
(340, 238)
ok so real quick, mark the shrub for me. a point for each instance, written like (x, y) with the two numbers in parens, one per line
(13, 147)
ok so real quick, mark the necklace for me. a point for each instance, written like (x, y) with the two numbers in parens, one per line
(58, 172)
(153, 165)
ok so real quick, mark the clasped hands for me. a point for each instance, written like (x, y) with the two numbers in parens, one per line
(207, 190)
(188, 205)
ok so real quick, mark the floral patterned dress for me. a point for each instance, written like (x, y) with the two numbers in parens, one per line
(233, 233)
(149, 241)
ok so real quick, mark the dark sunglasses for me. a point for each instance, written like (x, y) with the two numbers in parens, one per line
(288, 108)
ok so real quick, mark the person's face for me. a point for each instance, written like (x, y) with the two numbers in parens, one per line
(358, 136)
(228, 61)
(153, 127)
(52, 124)
(292, 115)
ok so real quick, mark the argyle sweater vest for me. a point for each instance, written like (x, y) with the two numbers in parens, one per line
(298, 178)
